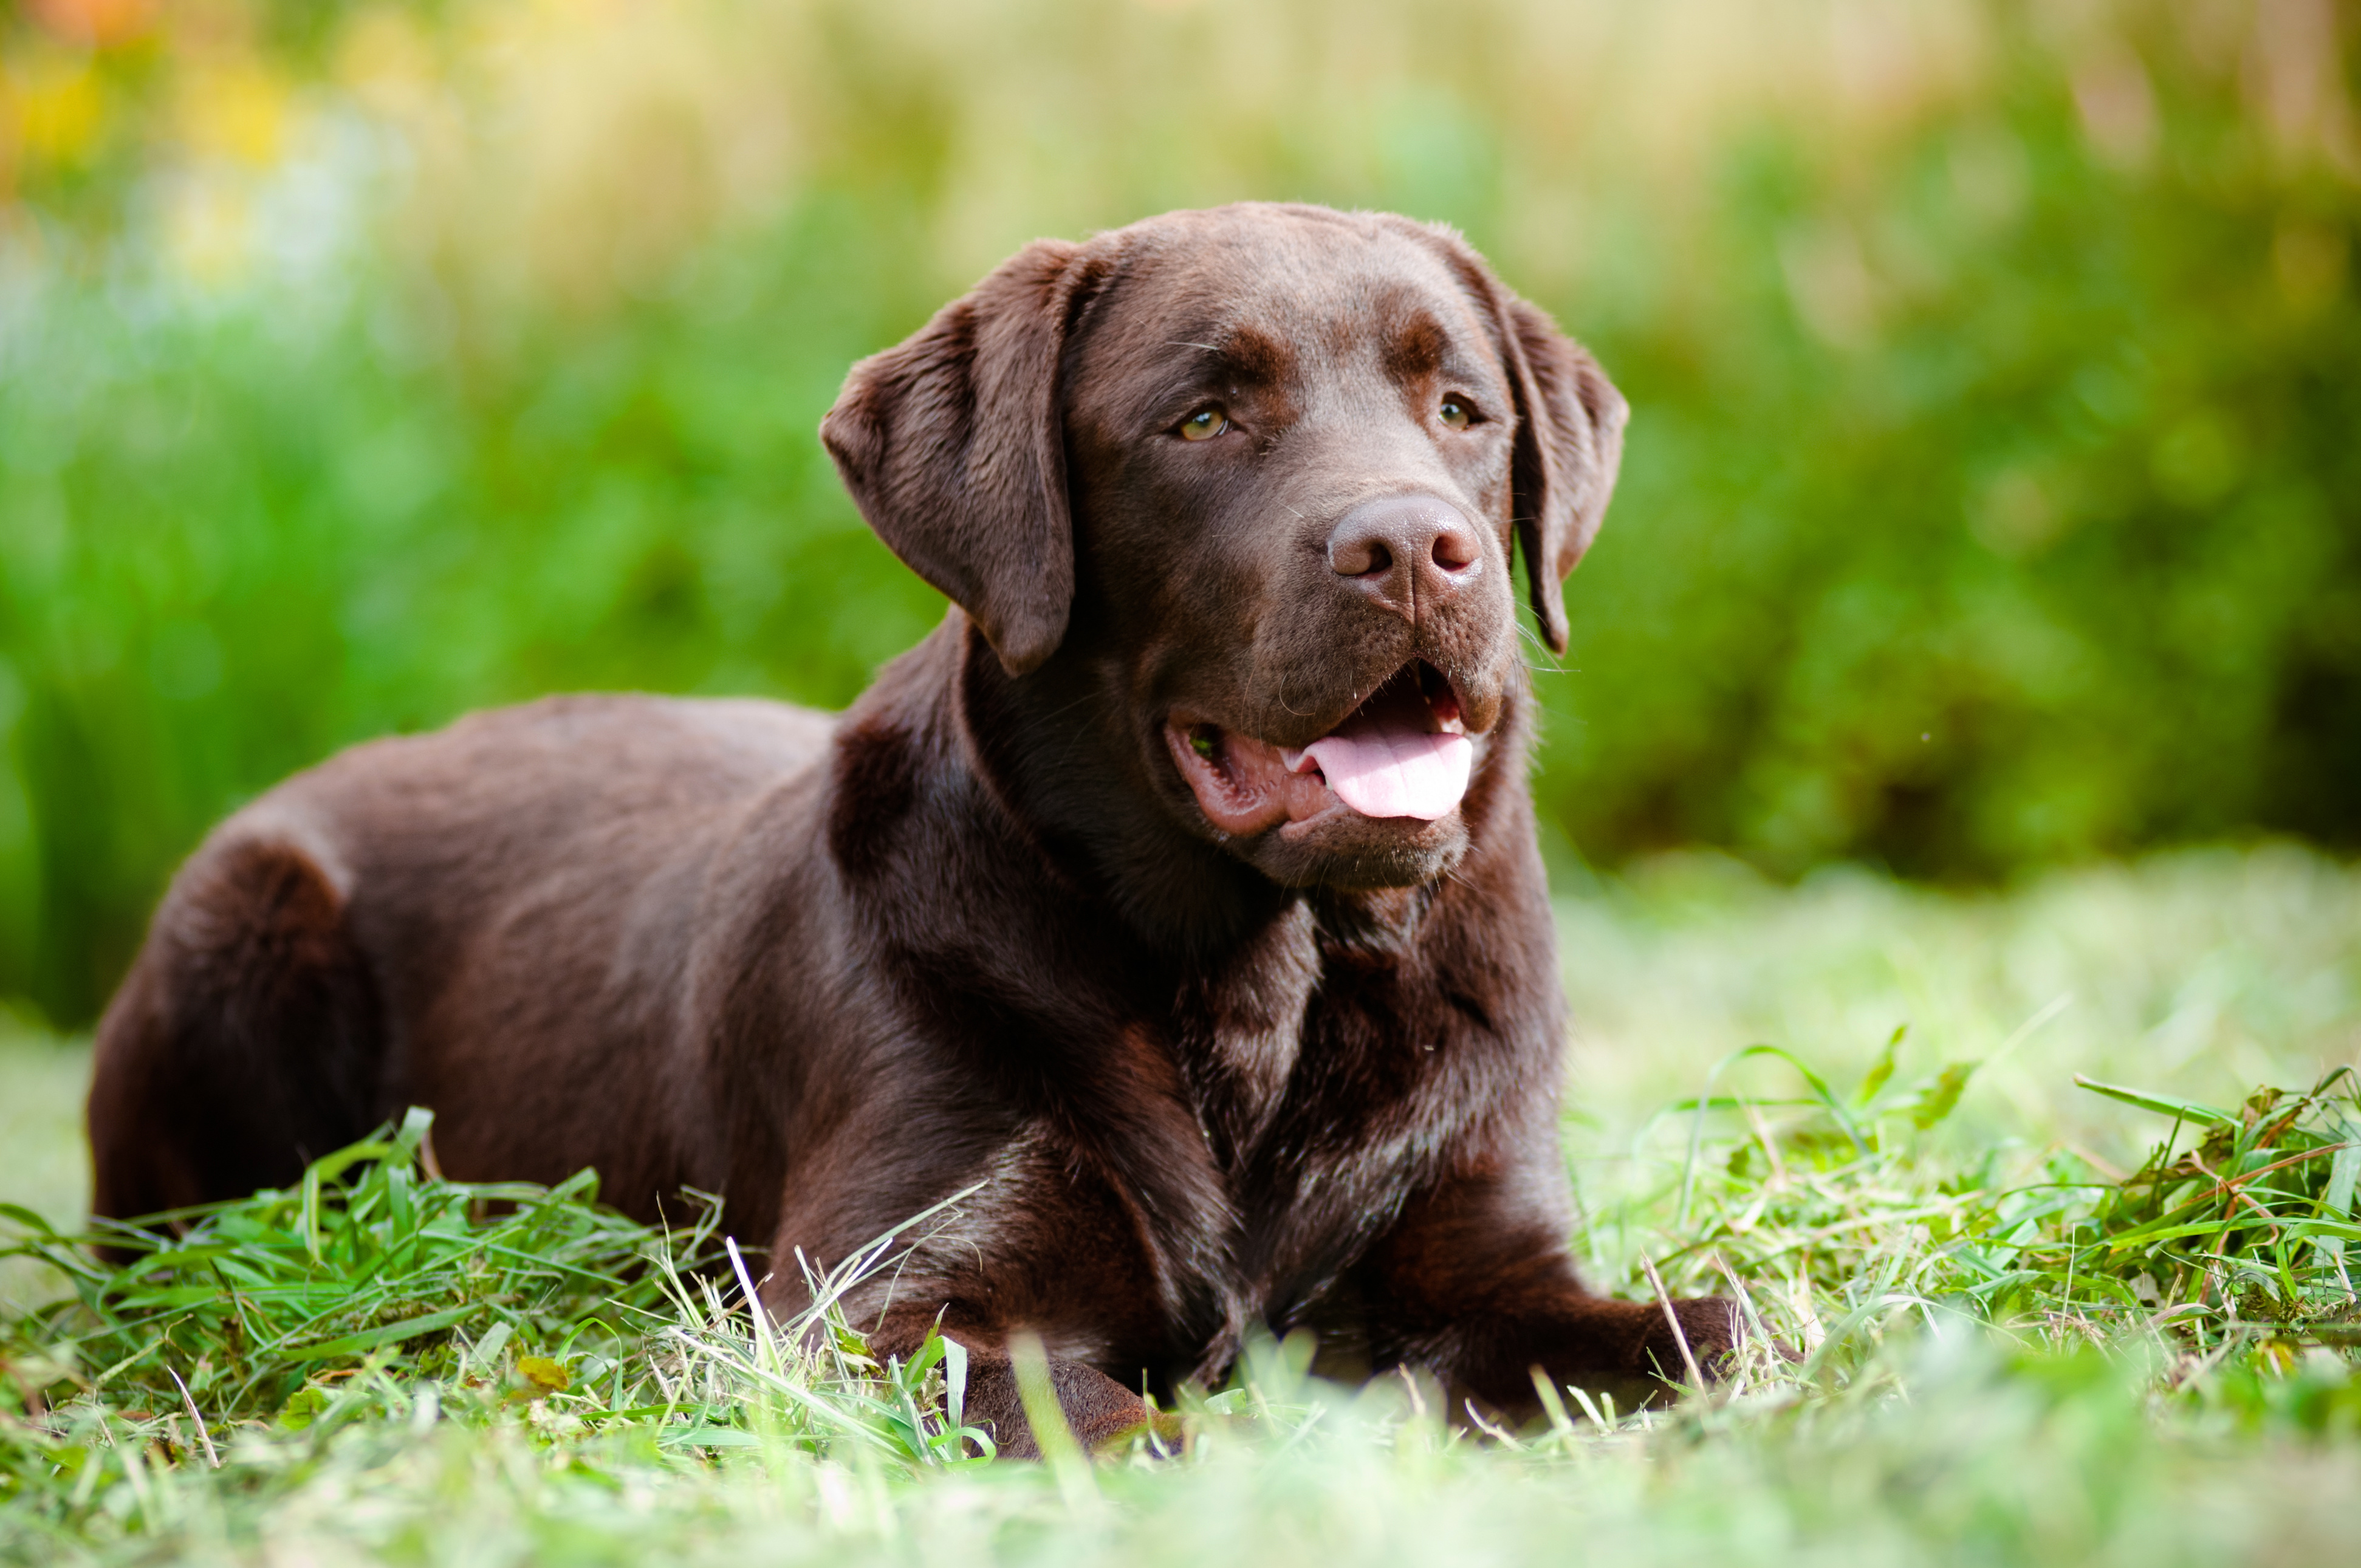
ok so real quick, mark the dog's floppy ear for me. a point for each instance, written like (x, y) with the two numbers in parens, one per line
(1570, 424)
(953, 445)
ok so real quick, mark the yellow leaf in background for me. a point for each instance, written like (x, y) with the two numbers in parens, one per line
(547, 1377)
(236, 110)
(58, 107)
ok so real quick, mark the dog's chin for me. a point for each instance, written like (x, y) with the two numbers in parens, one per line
(1357, 854)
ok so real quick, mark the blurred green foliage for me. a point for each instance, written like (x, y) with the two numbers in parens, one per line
(1991, 495)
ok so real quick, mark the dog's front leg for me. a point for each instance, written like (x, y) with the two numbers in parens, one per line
(1099, 1411)
(1475, 1285)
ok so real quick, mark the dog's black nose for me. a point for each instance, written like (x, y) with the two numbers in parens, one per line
(1406, 552)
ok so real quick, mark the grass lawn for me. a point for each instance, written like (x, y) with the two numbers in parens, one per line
(2030, 1332)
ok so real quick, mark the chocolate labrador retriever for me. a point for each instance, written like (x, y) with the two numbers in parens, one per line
(1180, 892)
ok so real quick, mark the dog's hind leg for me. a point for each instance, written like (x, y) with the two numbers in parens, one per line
(245, 1042)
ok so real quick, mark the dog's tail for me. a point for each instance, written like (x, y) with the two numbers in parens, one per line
(245, 1042)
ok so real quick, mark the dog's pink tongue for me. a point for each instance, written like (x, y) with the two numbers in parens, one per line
(1382, 769)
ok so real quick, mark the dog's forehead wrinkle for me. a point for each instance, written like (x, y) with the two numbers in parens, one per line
(1303, 294)
(1256, 353)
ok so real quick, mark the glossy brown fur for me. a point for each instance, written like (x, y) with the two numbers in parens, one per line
(975, 930)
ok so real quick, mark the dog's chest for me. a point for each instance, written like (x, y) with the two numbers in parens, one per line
(1238, 1030)
(1321, 1079)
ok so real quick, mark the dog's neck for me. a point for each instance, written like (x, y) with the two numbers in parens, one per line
(1057, 749)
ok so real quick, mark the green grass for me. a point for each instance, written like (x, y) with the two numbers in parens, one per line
(2040, 1324)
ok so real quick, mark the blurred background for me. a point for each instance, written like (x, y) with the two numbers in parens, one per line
(1992, 499)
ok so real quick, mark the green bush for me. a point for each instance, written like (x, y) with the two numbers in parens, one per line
(1990, 495)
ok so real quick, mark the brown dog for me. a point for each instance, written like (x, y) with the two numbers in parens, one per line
(1181, 889)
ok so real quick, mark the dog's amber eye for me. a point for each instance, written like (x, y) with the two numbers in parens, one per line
(1204, 424)
(1453, 413)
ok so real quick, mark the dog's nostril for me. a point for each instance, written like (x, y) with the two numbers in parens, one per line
(1360, 557)
(1455, 550)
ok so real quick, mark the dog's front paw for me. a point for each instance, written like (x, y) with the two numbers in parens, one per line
(1705, 1344)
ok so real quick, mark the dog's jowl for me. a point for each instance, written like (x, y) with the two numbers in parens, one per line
(1179, 893)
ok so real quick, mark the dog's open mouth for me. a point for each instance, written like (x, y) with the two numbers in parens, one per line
(1404, 753)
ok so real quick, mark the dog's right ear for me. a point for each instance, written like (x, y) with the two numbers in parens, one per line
(1569, 446)
(953, 445)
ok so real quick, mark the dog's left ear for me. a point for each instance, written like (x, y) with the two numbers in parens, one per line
(953, 445)
(1570, 424)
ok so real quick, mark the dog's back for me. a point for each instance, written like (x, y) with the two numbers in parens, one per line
(521, 877)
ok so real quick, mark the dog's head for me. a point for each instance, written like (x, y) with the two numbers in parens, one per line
(1262, 470)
